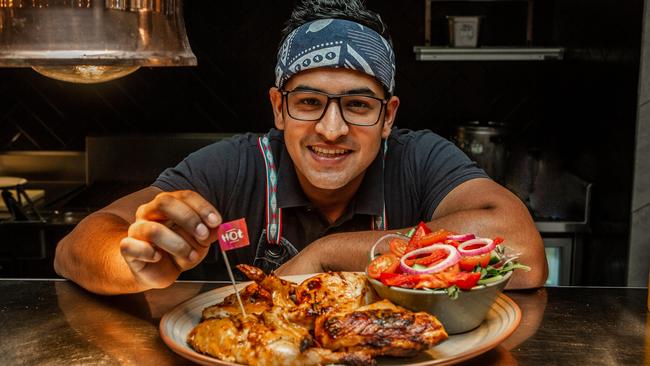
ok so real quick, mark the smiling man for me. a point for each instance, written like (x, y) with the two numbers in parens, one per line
(318, 190)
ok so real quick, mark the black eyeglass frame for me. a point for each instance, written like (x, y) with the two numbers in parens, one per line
(285, 99)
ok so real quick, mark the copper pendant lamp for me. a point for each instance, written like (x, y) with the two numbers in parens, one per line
(91, 41)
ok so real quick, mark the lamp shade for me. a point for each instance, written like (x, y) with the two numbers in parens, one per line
(91, 40)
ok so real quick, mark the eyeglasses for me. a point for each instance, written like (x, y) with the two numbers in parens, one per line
(356, 109)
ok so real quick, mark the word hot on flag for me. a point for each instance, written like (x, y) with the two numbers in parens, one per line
(233, 235)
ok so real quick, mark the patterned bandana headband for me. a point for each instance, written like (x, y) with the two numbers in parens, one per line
(336, 43)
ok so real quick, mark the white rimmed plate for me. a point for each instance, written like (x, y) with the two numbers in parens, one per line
(502, 319)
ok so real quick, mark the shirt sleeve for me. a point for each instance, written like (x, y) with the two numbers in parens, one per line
(440, 166)
(207, 171)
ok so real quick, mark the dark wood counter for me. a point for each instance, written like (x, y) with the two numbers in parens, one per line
(57, 323)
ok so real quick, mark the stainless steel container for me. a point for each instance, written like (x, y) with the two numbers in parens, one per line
(464, 30)
(486, 144)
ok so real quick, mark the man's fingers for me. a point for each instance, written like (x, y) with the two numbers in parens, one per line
(161, 236)
(151, 266)
(176, 212)
(186, 209)
(138, 253)
(209, 215)
(198, 249)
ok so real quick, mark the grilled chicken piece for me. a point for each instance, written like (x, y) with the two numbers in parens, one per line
(379, 329)
(266, 340)
(341, 291)
(327, 292)
(256, 300)
(282, 291)
(258, 297)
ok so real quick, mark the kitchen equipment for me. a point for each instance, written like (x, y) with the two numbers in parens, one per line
(560, 203)
(551, 192)
(464, 30)
(89, 41)
(15, 202)
(33, 194)
(485, 143)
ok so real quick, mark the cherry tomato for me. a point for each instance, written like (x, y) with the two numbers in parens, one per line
(401, 280)
(442, 279)
(428, 260)
(435, 237)
(398, 246)
(386, 277)
(469, 263)
(385, 263)
(466, 280)
(420, 231)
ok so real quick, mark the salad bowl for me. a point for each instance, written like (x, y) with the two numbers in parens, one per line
(460, 313)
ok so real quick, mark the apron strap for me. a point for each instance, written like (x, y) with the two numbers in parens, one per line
(381, 222)
(273, 212)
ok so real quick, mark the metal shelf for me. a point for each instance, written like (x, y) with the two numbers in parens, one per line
(428, 53)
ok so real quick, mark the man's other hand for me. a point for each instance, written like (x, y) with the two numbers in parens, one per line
(306, 261)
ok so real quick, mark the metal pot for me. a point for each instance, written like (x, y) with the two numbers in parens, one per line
(485, 143)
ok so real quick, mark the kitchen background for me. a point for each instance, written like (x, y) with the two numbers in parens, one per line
(564, 123)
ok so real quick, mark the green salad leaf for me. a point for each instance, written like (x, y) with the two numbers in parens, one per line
(500, 264)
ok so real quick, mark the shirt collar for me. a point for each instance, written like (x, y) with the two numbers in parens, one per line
(369, 200)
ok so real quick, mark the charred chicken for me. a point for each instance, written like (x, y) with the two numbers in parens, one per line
(328, 318)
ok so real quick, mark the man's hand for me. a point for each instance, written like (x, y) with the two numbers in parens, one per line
(172, 233)
(306, 261)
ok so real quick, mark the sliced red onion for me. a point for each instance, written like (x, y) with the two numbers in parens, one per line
(461, 237)
(486, 248)
(452, 258)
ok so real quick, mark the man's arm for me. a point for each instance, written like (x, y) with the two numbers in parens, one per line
(478, 206)
(141, 241)
(90, 254)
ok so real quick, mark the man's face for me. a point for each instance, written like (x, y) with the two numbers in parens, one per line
(328, 153)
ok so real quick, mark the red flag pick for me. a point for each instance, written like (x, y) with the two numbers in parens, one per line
(233, 235)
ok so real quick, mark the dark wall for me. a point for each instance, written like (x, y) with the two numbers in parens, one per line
(581, 111)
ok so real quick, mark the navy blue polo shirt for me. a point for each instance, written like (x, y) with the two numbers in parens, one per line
(420, 169)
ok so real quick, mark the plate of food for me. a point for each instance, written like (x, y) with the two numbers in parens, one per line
(320, 319)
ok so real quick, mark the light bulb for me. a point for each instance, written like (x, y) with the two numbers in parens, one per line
(85, 74)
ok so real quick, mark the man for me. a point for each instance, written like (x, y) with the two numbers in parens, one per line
(318, 190)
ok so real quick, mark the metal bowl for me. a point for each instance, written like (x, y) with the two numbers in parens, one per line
(458, 315)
